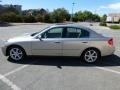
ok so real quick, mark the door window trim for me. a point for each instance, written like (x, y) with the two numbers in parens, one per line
(51, 29)
(75, 28)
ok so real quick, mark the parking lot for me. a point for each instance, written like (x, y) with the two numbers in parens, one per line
(53, 73)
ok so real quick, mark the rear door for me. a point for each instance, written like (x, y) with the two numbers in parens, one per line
(75, 41)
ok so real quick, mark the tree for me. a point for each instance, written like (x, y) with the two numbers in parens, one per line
(78, 16)
(44, 17)
(29, 19)
(10, 17)
(11, 9)
(35, 12)
(60, 15)
(47, 18)
(96, 18)
(86, 16)
(103, 20)
(40, 18)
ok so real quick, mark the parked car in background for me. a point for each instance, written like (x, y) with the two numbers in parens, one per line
(60, 40)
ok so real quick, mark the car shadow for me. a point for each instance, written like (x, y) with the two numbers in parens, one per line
(108, 61)
(5, 24)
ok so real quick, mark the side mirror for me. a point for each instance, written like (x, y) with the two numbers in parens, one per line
(39, 37)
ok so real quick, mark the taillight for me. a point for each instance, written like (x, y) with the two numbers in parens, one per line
(110, 42)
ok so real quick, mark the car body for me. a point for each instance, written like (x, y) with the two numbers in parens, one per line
(61, 40)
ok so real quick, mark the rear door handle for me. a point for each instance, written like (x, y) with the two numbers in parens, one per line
(57, 42)
(84, 42)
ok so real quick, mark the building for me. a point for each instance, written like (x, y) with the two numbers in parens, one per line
(113, 18)
(17, 7)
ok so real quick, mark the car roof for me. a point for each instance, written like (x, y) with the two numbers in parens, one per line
(70, 25)
(76, 26)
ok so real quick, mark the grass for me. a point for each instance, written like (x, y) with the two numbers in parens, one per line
(115, 27)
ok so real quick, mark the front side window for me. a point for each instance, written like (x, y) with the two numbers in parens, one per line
(76, 33)
(53, 33)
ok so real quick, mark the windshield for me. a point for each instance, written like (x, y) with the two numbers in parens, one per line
(33, 34)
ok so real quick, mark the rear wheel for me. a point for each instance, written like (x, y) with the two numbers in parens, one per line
(91, 55)
(16, 53)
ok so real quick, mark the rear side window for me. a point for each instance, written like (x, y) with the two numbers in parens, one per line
(76, 33)
(85, 34)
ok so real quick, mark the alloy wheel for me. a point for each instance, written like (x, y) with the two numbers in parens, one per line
(16, 54)
(91, 56)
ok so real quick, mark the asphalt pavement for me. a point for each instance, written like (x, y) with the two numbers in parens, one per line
(58, 73)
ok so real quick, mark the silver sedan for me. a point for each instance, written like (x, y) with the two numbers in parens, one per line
(60, 40)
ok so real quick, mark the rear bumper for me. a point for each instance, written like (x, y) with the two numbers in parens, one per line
(109, 50)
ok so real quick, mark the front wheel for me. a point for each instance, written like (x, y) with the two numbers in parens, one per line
(91, 55)
(16, 53)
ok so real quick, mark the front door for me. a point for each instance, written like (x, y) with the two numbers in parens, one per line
(50, 43)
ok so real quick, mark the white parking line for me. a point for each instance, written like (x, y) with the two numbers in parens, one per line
(9, 83)
(14, 87)
(108, 70)
(15, 70)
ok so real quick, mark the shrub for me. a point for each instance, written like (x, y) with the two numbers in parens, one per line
(75, 19)
(40, 18)
(11, 17)
(60, 15)
(47, 18)
(18, 18)
(44, 18)
(29, 19)
(115, 26)
(103, 24)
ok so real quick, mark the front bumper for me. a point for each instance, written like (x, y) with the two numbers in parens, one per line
(4, 50)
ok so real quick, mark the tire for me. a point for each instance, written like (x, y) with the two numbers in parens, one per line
(16, 53)
(91, 55)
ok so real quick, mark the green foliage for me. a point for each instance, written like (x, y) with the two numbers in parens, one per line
(103, 20)
(57, 16)
(78, 16)
(96, 18)
(47, 18)
(33, 12)
(40, 18)
(60, 15)
(103, 24)
(29, 19)
(10, 9)
(11, 17)
(86, 16)
(115, 26)
(44, 18)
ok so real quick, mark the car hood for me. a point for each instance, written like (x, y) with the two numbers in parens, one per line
(20, 38)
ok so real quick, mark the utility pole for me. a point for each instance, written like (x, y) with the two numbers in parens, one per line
(73, 4)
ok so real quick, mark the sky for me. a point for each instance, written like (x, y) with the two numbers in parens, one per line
(96, 6)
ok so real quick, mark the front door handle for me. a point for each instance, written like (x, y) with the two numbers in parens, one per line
(84, 42)
(57, 42)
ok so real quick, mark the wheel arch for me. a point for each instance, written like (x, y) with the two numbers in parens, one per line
(91, 48)
(14, 45)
